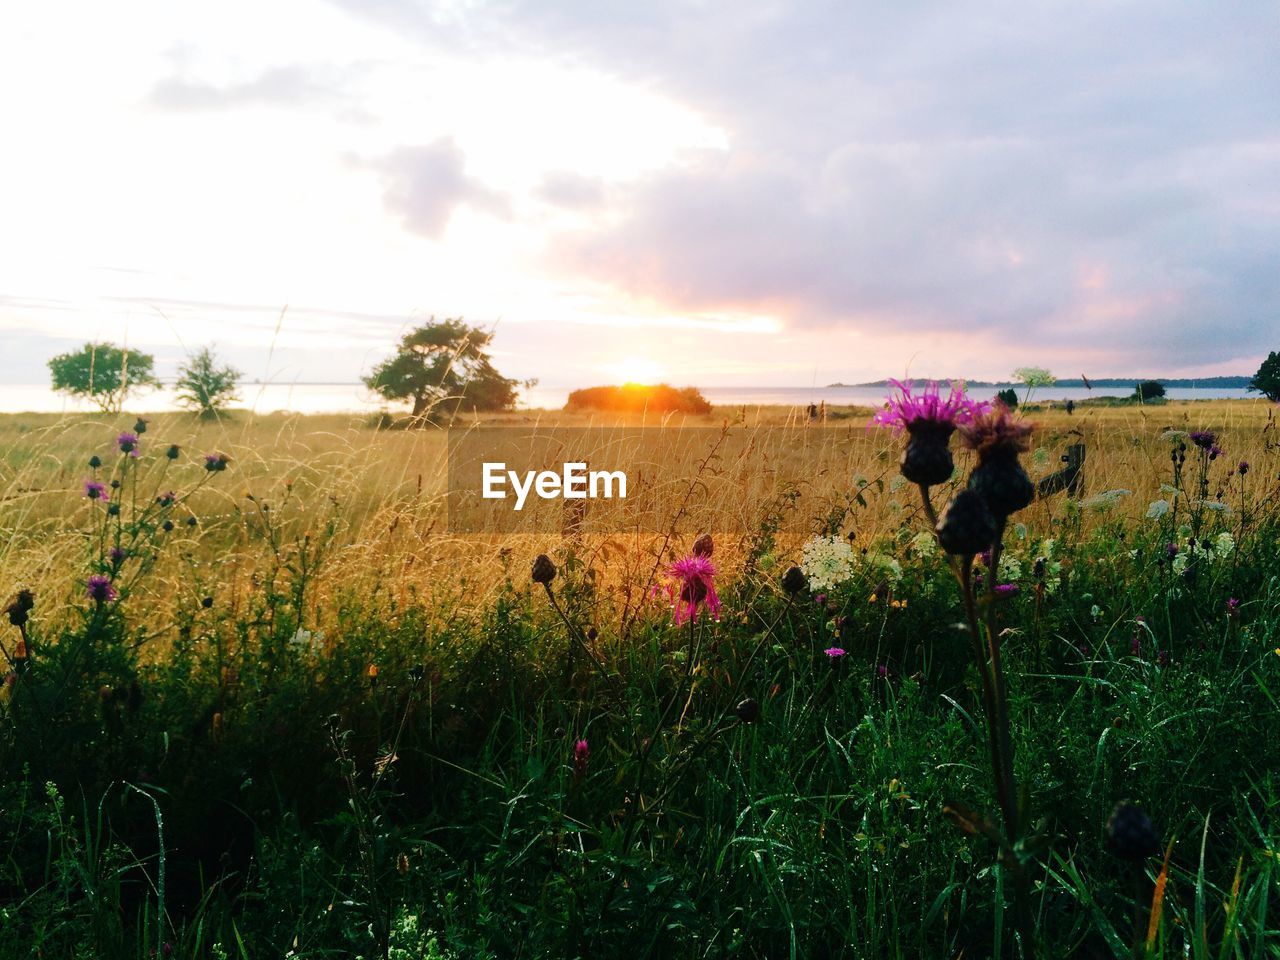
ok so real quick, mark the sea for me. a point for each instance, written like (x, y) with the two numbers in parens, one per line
(356, 398)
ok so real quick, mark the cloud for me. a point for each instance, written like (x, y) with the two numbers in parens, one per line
(1088, 177)
(424, 185)
(280, 86)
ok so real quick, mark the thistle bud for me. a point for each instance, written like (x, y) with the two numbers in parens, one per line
(703, 546)
(793, 581)
(544, 571)
(966, 526)
(748, 710)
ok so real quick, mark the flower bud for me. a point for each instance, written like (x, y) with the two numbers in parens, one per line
(966, 526)
(793, 581)
(544, 571)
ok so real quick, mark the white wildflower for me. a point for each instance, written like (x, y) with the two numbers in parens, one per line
(1157, 509)
(827, 562)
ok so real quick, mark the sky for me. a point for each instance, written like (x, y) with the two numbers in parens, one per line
(715, 193)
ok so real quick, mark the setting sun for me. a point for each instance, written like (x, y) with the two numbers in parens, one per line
(636, 370)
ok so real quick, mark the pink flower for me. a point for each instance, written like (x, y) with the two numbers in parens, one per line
(692, 586)
(581, 753)
(906, 410)
(128, 444)
(834, 653)
(1006, 589)
(96, 491)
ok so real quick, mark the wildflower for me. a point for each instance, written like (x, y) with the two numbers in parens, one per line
(1204, 439)
(96, 491)
(704, 546)
(1157, 509)
(793, 580)
(1131, 835)
(118, 555)
(693, 577)
(1233, 608)
(834, 654)
(172, 452)
(99, 589)
(748, 710)
(1224, 545)
(966, 526)
(820, 599)
(581, 754)
(128, 444)
(882, 671)
(999, 478)
(1006, 589)
(20, 607)
(544, 570)
(206, 602)
(167, 526)
(1243, 467)
(216, 462)
(140, 426)
(95, 462)
(929, 421)
(167, 499)
(827, 562)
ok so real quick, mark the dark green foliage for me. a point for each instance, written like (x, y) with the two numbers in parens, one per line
(1149, 390)
(1267, 380)
(444, 368)
(1009, 397)
(103, 373)
(205, 386)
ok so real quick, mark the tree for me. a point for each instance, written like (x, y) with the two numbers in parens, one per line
(443, 367)
(103, 373)
(1267, 380)
(206, 387)
(1149, 390)
(1009, 397)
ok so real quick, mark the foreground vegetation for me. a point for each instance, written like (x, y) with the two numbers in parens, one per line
(281, 711)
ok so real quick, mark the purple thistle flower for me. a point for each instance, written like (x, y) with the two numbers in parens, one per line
(882, 671)
(1006, 589)
(1204, 439)
(1233, 607)
(581, 754)
(906, 411)
(834, 653)
(216, 462)
(117, 555)
(692, 587)
(1171, 549)
(128, 444)
(1244, 467)
(99, 589)
(167, 499)
(96, 491)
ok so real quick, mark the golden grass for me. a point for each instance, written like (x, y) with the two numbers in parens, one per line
(370, 503)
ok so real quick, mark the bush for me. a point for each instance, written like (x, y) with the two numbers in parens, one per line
(1149, 390)
(638, 398)
(1009, 397)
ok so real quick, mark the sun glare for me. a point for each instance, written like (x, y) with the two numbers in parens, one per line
(636, 370)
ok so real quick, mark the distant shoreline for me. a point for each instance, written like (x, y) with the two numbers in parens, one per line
(1180, 383)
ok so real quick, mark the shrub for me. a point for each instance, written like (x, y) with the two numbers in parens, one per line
(638, 398)
(1149, 390)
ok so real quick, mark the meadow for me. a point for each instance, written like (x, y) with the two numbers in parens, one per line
(261, 700)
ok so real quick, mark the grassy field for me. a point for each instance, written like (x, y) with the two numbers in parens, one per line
(304, 718)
